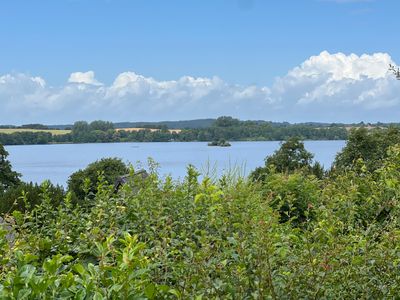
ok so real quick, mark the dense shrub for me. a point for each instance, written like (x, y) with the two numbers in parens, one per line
(294, 196)
(83, 183)
(26, 195)
(290, 157)
(369, 145)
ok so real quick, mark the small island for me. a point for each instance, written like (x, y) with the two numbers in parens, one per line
(220, 143)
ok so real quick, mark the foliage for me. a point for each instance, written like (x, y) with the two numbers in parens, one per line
(24, 196)
(8, 177)
(369, 145)
(290, 157)
(100, 125)
(96, 131)
(293, 195)
(83, 183)
(226, 122)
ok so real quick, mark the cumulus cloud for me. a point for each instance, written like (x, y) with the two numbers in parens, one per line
(326, 87)
(341, 87)
(84, 77)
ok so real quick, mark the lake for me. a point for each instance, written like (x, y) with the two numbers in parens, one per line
(56, 162)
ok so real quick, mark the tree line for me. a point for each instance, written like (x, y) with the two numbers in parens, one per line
(223, 128)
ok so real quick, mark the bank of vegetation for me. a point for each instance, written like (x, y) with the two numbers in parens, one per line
(223, 128)
(291, 230)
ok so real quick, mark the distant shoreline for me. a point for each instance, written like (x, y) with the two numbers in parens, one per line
(208, 130)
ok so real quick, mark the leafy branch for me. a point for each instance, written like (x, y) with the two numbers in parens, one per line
(395, 70)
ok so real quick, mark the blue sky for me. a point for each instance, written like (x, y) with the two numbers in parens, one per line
(236, 45)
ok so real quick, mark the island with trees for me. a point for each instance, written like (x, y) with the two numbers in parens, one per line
(220, 143)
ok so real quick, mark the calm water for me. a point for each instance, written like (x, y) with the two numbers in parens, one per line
(56, 162)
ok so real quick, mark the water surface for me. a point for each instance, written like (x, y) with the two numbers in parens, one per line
(56, 162)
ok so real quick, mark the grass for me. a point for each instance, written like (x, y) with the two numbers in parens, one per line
(52, 131)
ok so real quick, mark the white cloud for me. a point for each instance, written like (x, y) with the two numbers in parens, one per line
(327, 87)
(340, 83)
(84, 78)
(340, 66)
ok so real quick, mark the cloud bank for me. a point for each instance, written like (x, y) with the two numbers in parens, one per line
(327, 87)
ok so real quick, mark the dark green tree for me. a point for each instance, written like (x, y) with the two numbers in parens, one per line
(109, 168)
(80, 127)
(12, 199)
(8, 177)
(369, 145)
(80, 132)
(101, 125)
(225, 121)
(290, 157)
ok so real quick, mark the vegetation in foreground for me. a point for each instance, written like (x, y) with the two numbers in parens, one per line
(285, 233)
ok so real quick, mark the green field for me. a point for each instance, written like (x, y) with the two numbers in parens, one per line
(52, 131)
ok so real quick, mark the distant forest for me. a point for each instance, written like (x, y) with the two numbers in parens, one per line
(222, 128)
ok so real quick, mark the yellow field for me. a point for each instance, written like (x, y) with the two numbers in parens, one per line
(52, 131)
(151, 129)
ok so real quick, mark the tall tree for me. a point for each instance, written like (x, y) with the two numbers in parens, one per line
(101, 125)
(290, 157)
(8, 177)
(369, 145)
(226, 121)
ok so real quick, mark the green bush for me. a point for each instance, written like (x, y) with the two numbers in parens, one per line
(83, 183)
(369, 145)
(290, 157)
(25, 196)
(294, 196)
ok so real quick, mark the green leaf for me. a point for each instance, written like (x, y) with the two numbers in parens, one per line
(98, 296)
(79, 269)
(23, 294)
(27, 272)
(175, 293)
(150, 290)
